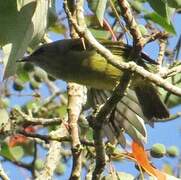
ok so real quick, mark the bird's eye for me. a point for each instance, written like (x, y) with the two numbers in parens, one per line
(39, 51)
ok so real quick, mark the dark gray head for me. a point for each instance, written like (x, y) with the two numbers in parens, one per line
(39, 55)
(48, 52)
(52, 57)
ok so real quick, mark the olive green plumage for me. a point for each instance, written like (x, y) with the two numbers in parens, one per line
(71, 61)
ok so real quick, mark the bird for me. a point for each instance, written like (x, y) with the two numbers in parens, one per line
(73, 61)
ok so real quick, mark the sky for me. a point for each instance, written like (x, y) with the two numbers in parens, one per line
(167, 133)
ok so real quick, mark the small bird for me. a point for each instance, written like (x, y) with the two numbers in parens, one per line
(71, 61)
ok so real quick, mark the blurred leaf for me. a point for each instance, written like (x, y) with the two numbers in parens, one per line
(100, 34)
(62, 110)
(33, 106)
(168, 26)
(17, 152)
(137, 6)
(161, 7)
(57, 27)
(4, 102)
(28, 148)
(5, 152)
(174, 3)
(92, 21)
(99, 7)
(23, 22)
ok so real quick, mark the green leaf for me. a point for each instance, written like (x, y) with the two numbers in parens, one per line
(92, 21)
(160, 6)
(5, 152)
(168, 26)
(33, 105)
(24, 22)
(100, 34)
(99, 7)
(174, 3)
(137, 6)
(62, 110)
(17, 152)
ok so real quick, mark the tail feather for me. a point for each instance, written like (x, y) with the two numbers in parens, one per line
(128, 117)
(152, 106)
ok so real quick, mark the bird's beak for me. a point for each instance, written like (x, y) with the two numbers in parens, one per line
(25, 59)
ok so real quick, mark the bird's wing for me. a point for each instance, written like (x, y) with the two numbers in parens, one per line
(128, 117)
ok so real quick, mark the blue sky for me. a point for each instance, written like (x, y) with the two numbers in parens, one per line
(167, 133)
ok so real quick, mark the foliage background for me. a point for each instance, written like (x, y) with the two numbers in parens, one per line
(166, 133)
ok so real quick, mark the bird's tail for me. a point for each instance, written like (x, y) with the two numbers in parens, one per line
(151, 104)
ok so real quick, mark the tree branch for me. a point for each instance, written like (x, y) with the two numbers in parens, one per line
(138, 40)
(75, 102)
(28, 120)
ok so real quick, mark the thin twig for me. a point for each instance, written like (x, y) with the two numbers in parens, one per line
(157, 35)
(28, 120)
(3, 175)
(138, 40)
(171, 72)
(161, 54)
